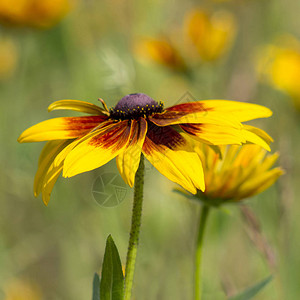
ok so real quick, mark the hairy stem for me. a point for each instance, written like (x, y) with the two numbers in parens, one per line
(135, 229)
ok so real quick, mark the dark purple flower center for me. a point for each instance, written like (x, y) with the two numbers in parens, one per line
(134, 106)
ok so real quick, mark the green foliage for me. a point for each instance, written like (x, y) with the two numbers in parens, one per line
(96, 287)
(112, 280)
(252, 291)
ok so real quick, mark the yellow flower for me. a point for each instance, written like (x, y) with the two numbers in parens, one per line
(36, 13)
(138, 124)
(242, 172)
(211, 33)
(280, 64)
(8, 58)
(21, 290)
(160, 51)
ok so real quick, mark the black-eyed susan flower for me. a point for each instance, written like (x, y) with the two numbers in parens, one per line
(242, 172)
(160, 51)
(212, 34)
(34, 13)
(138, 124)
(279, 63)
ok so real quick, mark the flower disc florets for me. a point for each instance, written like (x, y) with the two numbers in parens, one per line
(134, 106)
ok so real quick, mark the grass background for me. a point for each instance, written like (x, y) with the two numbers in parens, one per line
(89, 55)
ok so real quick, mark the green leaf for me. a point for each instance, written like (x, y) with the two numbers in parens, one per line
(96, 287)
(112, 280)
(252, 291)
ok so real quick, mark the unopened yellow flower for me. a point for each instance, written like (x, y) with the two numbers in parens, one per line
(138, 124)
(37, 13)
(8, 57)
(280, 64)
(160, 51)
(212, 34)
(21, 290)
(242, 172)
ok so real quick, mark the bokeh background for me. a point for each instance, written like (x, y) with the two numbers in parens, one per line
(248, 50)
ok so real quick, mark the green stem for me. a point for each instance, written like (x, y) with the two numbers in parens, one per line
(135, 229)
(198, 254)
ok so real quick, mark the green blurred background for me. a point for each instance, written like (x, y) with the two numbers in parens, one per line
(90, 54)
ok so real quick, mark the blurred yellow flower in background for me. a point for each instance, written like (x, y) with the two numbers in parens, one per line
(212, 34)
(207, 36)
(243, 171)
(160, 51)
(280, 65)
(34, 13)
(21, 290)
(8, 58)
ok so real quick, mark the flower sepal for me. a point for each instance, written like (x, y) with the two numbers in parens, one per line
(202, 198)
(213, 202)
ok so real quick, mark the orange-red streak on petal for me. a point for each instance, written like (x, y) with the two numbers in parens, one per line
(98, 147)
(77, 125)
(61, 128)
(174, 157)
(114, 137)
(191, 107)
(192, 129)
(162, 136)
(173, 113)
(128, 160)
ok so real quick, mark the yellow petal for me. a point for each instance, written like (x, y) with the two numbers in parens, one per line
(255, 139)
(98, 148)
(249, 155)
(48, 154)
(60, 128)
(261, 133)
(204, 117)
(268, 162)
(55, 169)
(260, 183)
(215, 134)
(128, 160)
(77, 105)
(242, 111)
(221, 135)
(172, 156)
(49, 184)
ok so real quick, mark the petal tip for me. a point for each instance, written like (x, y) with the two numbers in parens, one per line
(20, 138)
(52, 106)
(202, 189)
(193, 190)
(131, 184)
(281, 171)
(46, 202)
(67, 173)
(269, 112)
